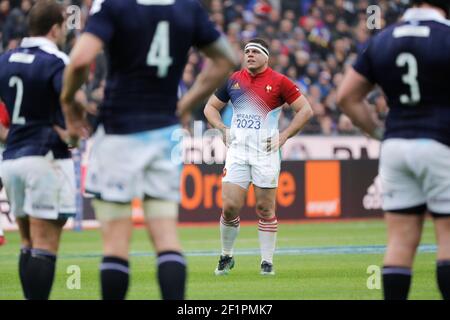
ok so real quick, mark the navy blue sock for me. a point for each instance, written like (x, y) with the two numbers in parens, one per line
(396, 282)
(114, 275)
(25, 254)
(40, 272)
(443, 278)
(171, 275)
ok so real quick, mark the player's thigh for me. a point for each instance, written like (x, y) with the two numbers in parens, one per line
(402, 190)
(265, 201)
(116, 166)
(32, 185)
(44, 181)
(233, 198)
(162, 174)
(115, 225)
(161, 217)
(163, 233)
(67, 187)
(265, 170)
(24, 230)
(46, 234)
(14, 182)
(435, 171)
(237, 169)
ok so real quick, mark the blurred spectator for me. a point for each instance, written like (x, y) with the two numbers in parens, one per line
(5, 7)
(15, 25)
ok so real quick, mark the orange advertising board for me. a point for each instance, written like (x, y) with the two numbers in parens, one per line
(323, 189)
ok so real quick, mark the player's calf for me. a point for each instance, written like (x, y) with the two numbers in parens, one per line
(442, 225)
(161, 218)
(40, 265)
(404, 231)
(267, 229)
(116, 228)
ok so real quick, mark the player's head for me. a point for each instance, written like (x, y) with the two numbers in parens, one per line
(46, 19)
(256, 53)
(441, 4)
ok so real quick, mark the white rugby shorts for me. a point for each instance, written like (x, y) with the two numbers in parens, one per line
(262, 170)
(415, 172)
(40, 187)
(139, 165)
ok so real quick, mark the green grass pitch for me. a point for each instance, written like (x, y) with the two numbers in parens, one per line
(314, 261)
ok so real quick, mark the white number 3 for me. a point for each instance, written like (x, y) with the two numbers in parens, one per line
(410, 78)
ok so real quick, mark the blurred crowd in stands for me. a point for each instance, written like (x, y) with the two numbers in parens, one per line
(311, 41)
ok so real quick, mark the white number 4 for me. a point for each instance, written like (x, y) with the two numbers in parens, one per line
(159, 55)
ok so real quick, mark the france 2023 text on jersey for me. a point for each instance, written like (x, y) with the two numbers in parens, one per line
(257, 101)
(30, 85)
(410, 60)
(147, 44)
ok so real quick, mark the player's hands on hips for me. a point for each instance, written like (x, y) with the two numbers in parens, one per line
(226, 136)
(275, 142)
(77, 126)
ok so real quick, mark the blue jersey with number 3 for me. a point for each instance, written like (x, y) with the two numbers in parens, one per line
(147, 44)
(411, 62)
(30, 85)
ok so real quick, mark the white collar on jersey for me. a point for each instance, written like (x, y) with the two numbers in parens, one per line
(45, 45)
(31, 42)
(424, 14)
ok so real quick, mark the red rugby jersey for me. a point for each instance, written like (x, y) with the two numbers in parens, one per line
(258, 98)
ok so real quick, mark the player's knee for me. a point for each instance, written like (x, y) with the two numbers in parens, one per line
(47, 244)
(231, 210)
(167, 243)
(265, 211)
(116, 241)
(406, 246)
(46, 235)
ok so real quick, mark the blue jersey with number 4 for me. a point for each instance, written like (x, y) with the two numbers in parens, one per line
(411, 62)
(147, 44)
(30, 85)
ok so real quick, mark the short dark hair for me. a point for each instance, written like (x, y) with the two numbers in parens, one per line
(43, 16)
(260, 41)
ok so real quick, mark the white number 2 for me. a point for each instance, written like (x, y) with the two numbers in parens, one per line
(159, 54)
(17, 82)
(410, 78)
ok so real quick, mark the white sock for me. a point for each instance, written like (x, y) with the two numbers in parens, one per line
(228, 234)
(267, 231)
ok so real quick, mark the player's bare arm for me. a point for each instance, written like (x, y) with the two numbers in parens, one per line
(76, 73)
(212, 114)
(219, 65)
(303, 113)
(351, 99)
(3, 133)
